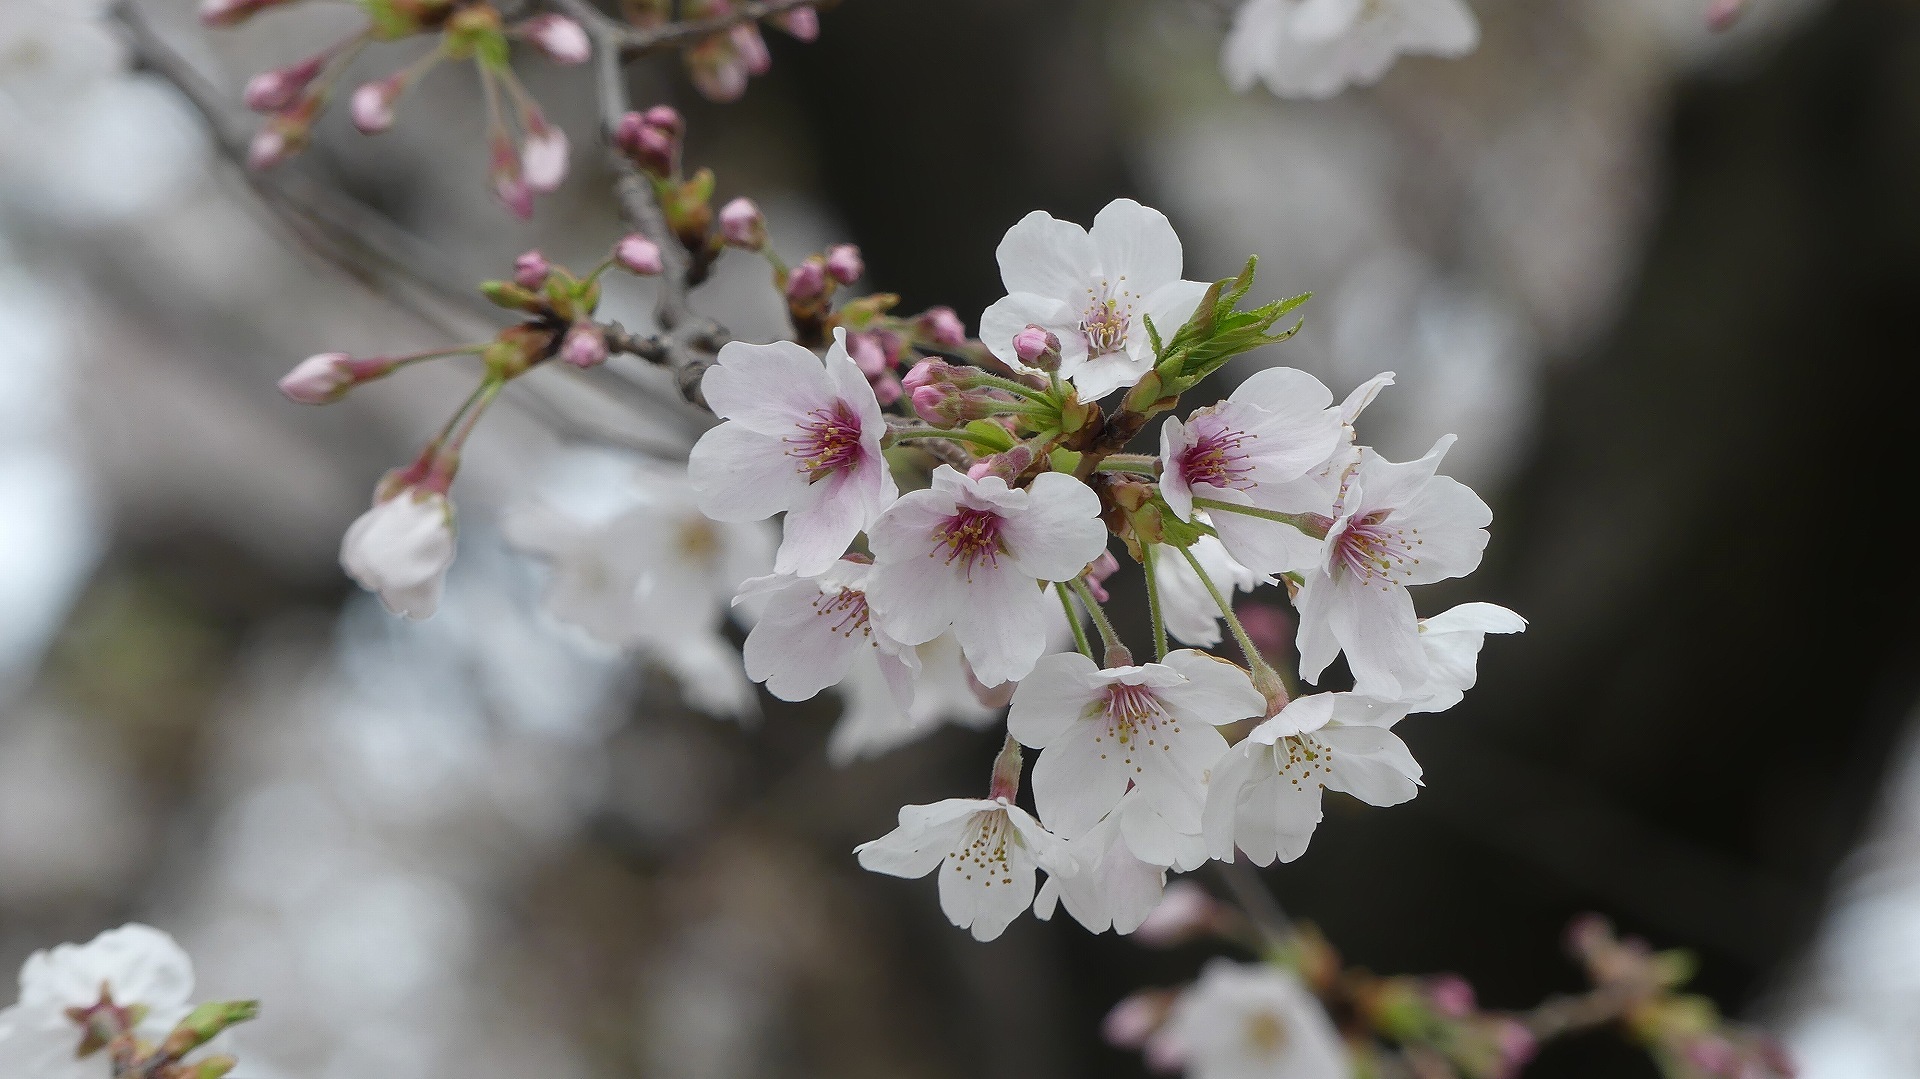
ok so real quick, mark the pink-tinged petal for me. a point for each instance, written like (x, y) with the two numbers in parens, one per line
(1060, 532)
(1001, 625)
(1215, 692)
(1136, 242)
(819, 530)
(1372, 764)
(1449, 524)
(1174, 441)
(1174, 770)
(1052, 698)
(743, 475)
(768, 388)
(850, 384)
(805, 641)
(1044, 255)
(544, 159)
(1010, 314)
(1377, 629)
(1080, 777)
(1284, 391)
(912, 852)
(1315, 639)
(1268, 548)
(1387, 484)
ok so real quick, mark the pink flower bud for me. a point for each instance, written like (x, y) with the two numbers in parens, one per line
(1186, 912)
(942, 327)
(928, 401)
(1097, 573)
(803, 23)
(867, 354)
(1132, 1021)
(544, 155)
(271, 145)
(667, 119)
(928, 372)
(808, 281)
(845, 264)
(1724, 13)
(638, 255)
(1165, 1052)
(271, 91)
(530, 270)
(751, 47)
(649, 145)
(742, 225)
(561, 39)
(886, 388)
(508, 185)
(1712, 1054)
(585, 345)
(1037, 349)
(372, 105)
(1451, 996)
(1517, 1046)
(319, 380)
(718, 73)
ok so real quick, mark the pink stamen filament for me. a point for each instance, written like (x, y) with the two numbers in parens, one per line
(1370, 547)
(829, 442)
(970, 537)
(1134, 718)
(1217, 461)
(1107, 319)
(849, 606)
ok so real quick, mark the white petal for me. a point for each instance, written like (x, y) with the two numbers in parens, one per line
(1139, 243)
(768, 388)
(1372, 764)
(1053, 697)
(743, 475)
(1215, 692)
(1043, 255)
(1376, 627)
(1080, 777)
(1060, 532)
(1000, 620)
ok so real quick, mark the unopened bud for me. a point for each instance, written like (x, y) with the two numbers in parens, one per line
(1451, 996)
(530, 270)
(803, 23)
(868, 355)
(1135, 1018)
(1165, 1052)
(667, 119)
(807, 281)
(372, 104)
(742, 225)
(1517, 1046)
(1724, 13)
(585, 345)
(942, 327)
(1037, 348)
(638, 255)
(1008, 466)
(508, 184)
(1006, 772)
(1097, 573)
(206, 1023)
(886, 389)
(319, 380)
(559, 38)
(271, 91)
(543, 155)
(1185, 914)
(649, 145)
(844, 263)
(751, 47)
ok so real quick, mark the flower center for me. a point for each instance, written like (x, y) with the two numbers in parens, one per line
(1266, 1033)
(1134, 718)
(1304, 760)
(1215, 458)
(1107, 318)
(848, 607)
(1372, 548)
(829, 442)
(982, 852)
(970, 537)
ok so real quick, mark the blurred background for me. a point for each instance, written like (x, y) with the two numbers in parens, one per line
(1662, 284)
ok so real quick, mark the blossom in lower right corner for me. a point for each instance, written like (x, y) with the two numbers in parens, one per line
(1317, 48)
(401, 549)
(1246, 1021)
(986, 851)
(132, 967)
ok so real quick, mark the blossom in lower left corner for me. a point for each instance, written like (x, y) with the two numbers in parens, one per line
(986, 851)
(401, 549)
(1250, 1021)
(133, 966)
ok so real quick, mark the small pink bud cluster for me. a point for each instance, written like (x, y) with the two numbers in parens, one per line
(652, 139)
(530, 270)
(878, 354)
(721, 65)
(326, 378)
(558, 38)
(742, 225)
(585, 345)
(801, 23)
(1037, 348)
(272, 91)
(373, 102)
(638, 255)
(940, 326)
(944, 395)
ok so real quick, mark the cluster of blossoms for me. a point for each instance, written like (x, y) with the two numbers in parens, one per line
(118, 1007)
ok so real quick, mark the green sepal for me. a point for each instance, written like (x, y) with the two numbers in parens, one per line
(990, 435)
(206, 1023)
(512, 297)
(1064, 460)
(1218, 332)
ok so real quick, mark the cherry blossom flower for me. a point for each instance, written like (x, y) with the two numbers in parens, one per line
(1094, 291)
(134, 965)
(1452, 640)
(1189, 610)
(1148, 727)
(814, 629)
(1251, 450)
(1394, 525)
(986, 851)
(1265, 794)
(968, 553)
(1317, 48)
(401, 549)
(798, 437)
(1114, 887)
(1253, 1021)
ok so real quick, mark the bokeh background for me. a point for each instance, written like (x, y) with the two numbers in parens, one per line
(1662, 283)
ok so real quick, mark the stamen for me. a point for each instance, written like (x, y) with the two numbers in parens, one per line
(849, 606)
(829, 442)
(970, 537)
(1216, 459)
(1373, 549)
(1107, 319)
(983, 849)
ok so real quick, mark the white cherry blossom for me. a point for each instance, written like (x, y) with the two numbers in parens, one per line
(873, 721)
(1265, 794)
(799, 437)
(986, 851)
(968, 555)
(1252, 1021)
(1452, 640)
(1317, 48)
(1115, 887)
(137, 964)
(1252, 449)
(401, 549)
(1189, 610)
(1394, 525)
(812, 630)
(1093, 290)
(1149, 727)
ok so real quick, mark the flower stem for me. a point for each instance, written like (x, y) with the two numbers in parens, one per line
(1117, 653)
(959, 434)
(1265, 678)
(1140, 464)
(978, 378)
(1079, 631)
(1147, 559)
(1312, 524)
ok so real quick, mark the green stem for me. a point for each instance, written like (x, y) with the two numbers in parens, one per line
(1147, 558)
(1308, 523)
(1255, 660)
(1142, 465)
(1079, 631)
(978, 378)
(1117, 653)
(957, 434)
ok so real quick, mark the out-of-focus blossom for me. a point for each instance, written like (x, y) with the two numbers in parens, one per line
(1247, 1021)
(133, 967)
(401, 549)
(1317, 48)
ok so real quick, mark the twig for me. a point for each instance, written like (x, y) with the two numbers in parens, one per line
(632, 42)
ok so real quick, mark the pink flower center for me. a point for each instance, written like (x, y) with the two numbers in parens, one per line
(848, 606)
(1107, 318)
(970, 537)
(1134, 718)
(1371, 549)
(1215, 458)
(829, 442)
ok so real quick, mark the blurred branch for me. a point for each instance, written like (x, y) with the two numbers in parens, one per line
(632, 42)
